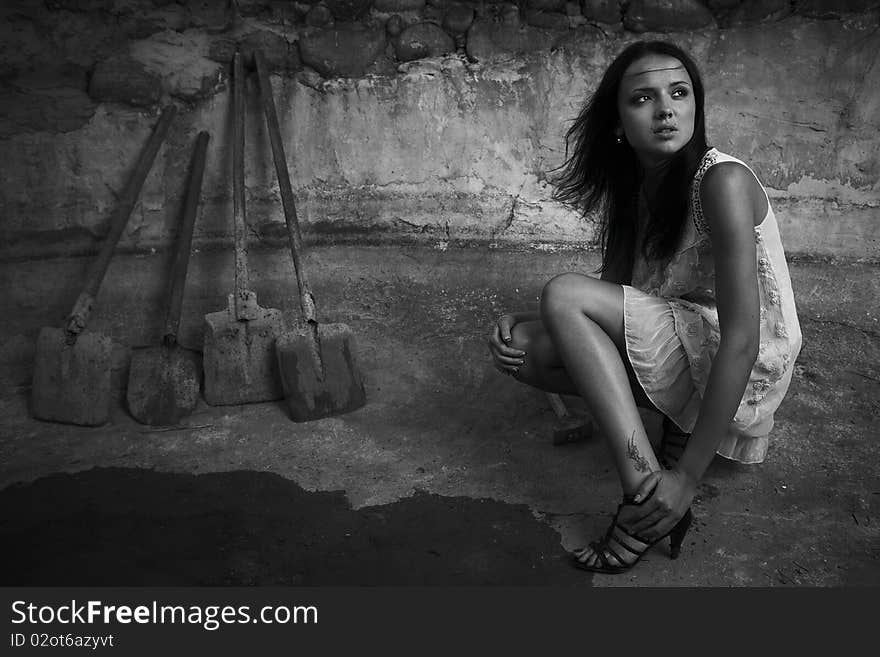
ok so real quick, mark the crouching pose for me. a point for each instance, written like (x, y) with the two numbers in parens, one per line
(693, 316)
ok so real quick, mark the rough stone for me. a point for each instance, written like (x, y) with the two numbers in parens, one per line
(509, 14)
(572, 9)
(487, 39)
(422, 40)
(284, 12)
(277, 51)
(666, 16)
(602, 11)
(432, 14)
(395, 25)
(458, 18)
(797, 99)
(140, 25)
(546, 19)
(53, 77)
(122, 79)
(344, 51)
(49, 109)
(178, 60)
(546, 5)
(83, 5)
(253, 7)
(389, 6)
(348, 10)
(222, 49)
(206, 13)
(722, 5)
(319, 16)
(755, 11)
(385, 65)
(84, 38)
(833, 8)
(311, 79)
(17, 361)
(22, 47)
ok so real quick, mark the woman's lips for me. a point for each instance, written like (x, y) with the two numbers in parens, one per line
(665, 132)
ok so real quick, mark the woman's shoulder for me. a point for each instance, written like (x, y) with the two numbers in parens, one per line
(712, 158)
(729, 176)
(723, 177)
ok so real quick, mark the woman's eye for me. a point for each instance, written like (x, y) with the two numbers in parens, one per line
(638, 100)
(680, 93)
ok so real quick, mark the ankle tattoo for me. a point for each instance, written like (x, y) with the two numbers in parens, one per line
(632, 453)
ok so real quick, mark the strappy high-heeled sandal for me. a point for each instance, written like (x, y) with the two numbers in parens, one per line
(610, 550)
(672, 444)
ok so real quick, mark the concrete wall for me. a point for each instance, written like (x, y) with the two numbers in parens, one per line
(447, 149)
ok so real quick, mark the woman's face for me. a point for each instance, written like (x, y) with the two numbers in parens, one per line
(655, 103)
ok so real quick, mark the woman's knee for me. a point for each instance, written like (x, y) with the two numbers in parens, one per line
(600, 301)
(560, 294)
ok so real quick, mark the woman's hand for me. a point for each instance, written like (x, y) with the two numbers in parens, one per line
(673, 493)
(507, 359)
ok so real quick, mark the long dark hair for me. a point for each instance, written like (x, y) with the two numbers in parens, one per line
(600, 174)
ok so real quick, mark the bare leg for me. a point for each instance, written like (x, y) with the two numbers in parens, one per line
(583, 318)
(543, 368)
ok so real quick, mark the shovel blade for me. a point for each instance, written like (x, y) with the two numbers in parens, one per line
(310, 392)
(572, 430)
(240, 363)
(163, 385)
(71, 383)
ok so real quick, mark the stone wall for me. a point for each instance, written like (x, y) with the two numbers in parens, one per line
(410, 120)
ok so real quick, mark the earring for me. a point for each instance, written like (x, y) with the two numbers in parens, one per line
(619, 139)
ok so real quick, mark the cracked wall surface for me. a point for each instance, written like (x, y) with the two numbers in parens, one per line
(446, 149)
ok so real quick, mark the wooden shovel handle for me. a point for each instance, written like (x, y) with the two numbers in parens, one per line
(184, 240)
(307, 300)
(238, 209)
(83, 306)
(557, 405)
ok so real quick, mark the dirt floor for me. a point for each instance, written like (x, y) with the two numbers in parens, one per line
(447, 476)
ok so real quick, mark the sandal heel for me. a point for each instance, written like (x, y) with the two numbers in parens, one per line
(610, 552)
(676, 536)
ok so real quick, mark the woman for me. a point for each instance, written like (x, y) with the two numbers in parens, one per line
(693, 316)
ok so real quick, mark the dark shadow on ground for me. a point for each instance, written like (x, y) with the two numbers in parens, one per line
(131, 527)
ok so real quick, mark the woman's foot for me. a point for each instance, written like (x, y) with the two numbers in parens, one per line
(619, 550)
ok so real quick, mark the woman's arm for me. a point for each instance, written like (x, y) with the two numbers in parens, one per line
(731, 199)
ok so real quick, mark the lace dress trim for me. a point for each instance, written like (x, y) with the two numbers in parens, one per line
(709, 159)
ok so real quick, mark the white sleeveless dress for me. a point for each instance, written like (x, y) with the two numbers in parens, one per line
(672, 333)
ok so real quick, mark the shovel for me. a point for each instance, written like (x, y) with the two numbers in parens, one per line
(71, 381)
(239, 350)
(569, 428)
(163, 382)
(318, 362)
